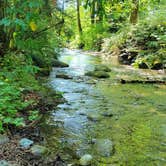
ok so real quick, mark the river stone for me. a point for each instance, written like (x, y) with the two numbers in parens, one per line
(93, 117)
(4, 163)
(107, 114)
(64, 76)
(25, 143)
(104, 147)
(38, 150)
(98, 74)
(3, 139)
(86, 160)
(57, 63)
(102, 68)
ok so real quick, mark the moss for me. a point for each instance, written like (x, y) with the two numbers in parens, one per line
(98, 74)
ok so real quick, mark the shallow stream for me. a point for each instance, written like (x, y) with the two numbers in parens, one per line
(116, 124)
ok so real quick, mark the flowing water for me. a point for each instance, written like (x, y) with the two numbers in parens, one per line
(116, 124)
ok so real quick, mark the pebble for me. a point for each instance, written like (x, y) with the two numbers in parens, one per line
(86, 160)
(26, 143)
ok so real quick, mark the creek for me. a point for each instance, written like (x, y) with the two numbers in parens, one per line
(116, 124)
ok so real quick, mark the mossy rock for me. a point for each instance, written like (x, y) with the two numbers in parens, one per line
(64, 76)
(102, 68)
(98, 74)
(57, 63)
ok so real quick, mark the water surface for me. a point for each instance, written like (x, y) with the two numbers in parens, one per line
(131, 116)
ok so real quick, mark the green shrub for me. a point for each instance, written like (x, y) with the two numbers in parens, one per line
(10, 104)
(17, 74)
(148, 37)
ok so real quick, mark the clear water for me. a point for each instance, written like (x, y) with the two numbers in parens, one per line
(132, 116)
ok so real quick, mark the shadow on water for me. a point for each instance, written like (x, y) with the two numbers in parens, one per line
(108, 120)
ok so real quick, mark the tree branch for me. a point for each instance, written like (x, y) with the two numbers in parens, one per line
(38, 33)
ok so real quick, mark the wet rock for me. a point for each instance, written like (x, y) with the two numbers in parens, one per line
(3, 139)
(38, 150)
(64, 76)
(127, 57)
(57, 63)
(86, 160)
(107, 114)
(98, 74)
(102, 68)
(104, 147)
(25, 143)
(93, 118)
(4, 163)
(157, 66)
(143, 65)
(92, 82)
(82, 113)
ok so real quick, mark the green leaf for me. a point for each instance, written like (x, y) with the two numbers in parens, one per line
(5, 21)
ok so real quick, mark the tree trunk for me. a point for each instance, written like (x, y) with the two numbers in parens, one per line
(93, 13)
(78, 17)
(134, 12)
(100, 11)
(2, 33)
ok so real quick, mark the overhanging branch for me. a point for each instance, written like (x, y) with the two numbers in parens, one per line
(38, 33)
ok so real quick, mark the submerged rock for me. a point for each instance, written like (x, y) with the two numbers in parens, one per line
(104, 147)
(107, 114)
(38, 150)
(98, 74)
(3, 139)
(93, 118)
(86, 160)
(25, 143)
(57, 63)
(102, 68)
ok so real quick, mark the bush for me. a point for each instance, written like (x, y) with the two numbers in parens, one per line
(10, 104)
(148, 38)
(17, 75)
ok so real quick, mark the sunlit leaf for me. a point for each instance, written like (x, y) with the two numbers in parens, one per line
(33, 26)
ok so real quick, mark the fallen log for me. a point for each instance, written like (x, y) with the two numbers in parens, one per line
(123, 81)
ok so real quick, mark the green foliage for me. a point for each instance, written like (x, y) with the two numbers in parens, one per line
(93, 35)
(10, 104)
(26, 28)
(17, 75)
(33, 115)
(18, 69)
(147, 37)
